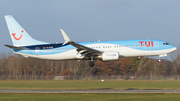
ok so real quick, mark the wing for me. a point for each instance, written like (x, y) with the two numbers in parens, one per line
(81, 47)
(78, 46)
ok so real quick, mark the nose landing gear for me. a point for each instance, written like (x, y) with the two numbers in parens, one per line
(159, 60)
(161, 56)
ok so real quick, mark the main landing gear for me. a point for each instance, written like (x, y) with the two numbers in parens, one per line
(91, 63)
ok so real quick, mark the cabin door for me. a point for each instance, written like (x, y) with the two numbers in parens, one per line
(156, 45)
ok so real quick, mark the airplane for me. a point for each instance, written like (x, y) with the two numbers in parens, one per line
(25, 45)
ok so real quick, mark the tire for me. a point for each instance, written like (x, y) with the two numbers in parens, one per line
(91, 64)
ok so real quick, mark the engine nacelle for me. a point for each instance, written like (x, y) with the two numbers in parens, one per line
(110, 56)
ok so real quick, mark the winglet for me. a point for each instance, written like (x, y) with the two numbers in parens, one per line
(66, 38)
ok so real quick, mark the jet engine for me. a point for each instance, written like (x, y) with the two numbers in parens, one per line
(110, 56)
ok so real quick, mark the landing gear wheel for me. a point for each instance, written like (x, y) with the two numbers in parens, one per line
(159, 61)
(91, 64)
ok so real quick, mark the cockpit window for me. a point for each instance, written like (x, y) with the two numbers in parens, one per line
(165, 43)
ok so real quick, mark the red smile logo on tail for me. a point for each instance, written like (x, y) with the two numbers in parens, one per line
(13, 34)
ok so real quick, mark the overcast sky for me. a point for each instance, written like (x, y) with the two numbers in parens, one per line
(90, 20)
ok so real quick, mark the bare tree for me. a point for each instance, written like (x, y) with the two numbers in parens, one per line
(175, 56)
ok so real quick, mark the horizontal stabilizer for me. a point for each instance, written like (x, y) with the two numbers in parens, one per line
(14, 47)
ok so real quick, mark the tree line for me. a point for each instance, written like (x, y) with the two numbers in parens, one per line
(13, 65)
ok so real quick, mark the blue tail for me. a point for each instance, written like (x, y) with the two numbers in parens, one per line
(18, 35)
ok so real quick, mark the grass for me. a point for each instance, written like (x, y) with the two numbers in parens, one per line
(87, 84)
(89, 97)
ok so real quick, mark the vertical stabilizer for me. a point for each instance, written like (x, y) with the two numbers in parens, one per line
(18, 35)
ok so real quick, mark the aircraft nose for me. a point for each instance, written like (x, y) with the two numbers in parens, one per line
(173, 49)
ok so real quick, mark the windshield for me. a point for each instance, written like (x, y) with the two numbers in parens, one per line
(165, 43)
